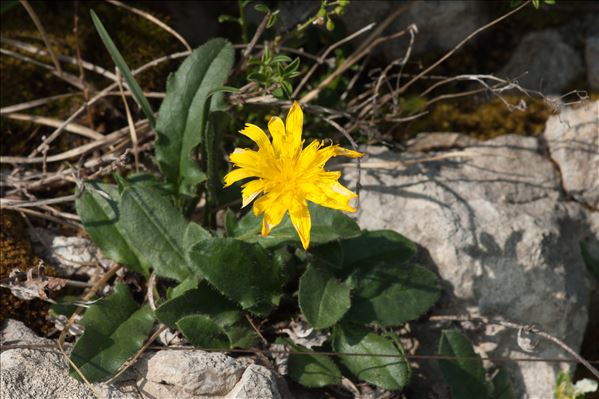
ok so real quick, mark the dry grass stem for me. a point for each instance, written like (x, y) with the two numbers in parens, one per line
(40, 28)
(132, 130)
(30, 48)
(71, 127)
(152, 19)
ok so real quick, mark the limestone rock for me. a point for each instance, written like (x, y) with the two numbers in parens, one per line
(69, 255)
(42, 373)
(187, 374)
(505, 242)
(441, 24)
(257, 382)
(543, 61)
(573, 141)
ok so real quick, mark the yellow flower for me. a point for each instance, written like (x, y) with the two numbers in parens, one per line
(286, 174)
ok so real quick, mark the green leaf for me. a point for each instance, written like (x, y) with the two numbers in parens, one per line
(262, 8)
(365, 250)
(65, 306)
(152, 225)
(590, 257)
(502, 386)
(217, 125)
(466, 376)
(243, 272)
(202, 300)
(242, 335)
(322, 299)
(183, 113)
(386, 372)
(312, 371)
(230, 222)
(205, 300)
(327, 225)
(188, 284)
(118, 59)
(115, 328)
(227, 18)
(97, 206)
(281, 58)
(391, 294)
(203, 332)
(194, 233)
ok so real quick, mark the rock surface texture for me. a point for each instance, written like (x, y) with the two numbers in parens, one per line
(543, 61)
(498, 228)
(40, 373)
(35, 373)
(573, 141)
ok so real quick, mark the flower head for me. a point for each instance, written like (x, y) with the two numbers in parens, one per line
(286, 174)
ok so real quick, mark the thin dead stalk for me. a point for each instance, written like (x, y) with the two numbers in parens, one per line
(325, 54)
(521, 328)
(347, 64)
(67, 77)
(92, 291)
(247, 51)
(138, 354)
(403, 88)
(35, 103)
(154, 20)
(30, 48)
(71, 127)
(132, 130)
(99, 96)
(40, 28)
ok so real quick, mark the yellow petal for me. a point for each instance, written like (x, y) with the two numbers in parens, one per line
(332, 195)
(257, 135)
(300, 217)
(251, 190)
(314, 156)
(273, 206)
(340, 151)
(293, 126)
(276, 127)
(238, 174)
(244, 158)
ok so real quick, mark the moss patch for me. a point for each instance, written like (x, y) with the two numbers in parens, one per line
(483, 121)
(15, 252)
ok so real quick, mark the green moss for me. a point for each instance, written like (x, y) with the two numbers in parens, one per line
(484, 121)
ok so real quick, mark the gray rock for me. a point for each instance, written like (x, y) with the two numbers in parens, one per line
(498, 231)
(592, 59)
(257, 382)
(441, 24)
(543, 61)
(43, 373)
(573, 141)
(68, 255)
(187, 374)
